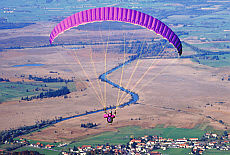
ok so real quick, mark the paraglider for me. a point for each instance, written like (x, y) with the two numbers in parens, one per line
(110, 116)
(117, 14)
(120, 15)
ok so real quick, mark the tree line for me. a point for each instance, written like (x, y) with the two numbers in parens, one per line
(49, 79)
(51, 93)
(88, 125)
(2, 79)
(8, 135)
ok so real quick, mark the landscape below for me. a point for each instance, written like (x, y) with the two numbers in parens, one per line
(198, 108)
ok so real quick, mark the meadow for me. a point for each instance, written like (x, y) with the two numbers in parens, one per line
(123, 135)
(16, 90)
(41, 151)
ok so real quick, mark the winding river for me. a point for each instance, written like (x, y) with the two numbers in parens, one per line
(102, 77)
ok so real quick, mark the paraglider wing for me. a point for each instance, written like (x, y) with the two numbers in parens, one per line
(117, 14)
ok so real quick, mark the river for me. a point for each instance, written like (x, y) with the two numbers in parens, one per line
(102, 77)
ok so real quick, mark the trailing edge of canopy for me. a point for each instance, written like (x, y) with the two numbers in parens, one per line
(117, 14)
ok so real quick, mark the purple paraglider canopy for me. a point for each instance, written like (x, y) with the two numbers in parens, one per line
(117, 14)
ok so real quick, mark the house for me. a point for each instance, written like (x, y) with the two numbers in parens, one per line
(193, 139)
(214, 135)
(163, 147)
(212, 143)
(151, 143)
(100, 147)
(228, 135)
(145, 137)
(167, 143)
(62, 145)
(71, 150)
(143, 151)
(37, 144)
(196, 143)
(32, 145)
(181, 141)
(116, 151)
(182, 145)
(24, 142)
(86, 147)
(170, 140)
(162, 139)
(65, 153)
(189, 146)
(135, 140)
(48, 146)
(140, 144)
(207, 135)
(138, 149)
(155, 153)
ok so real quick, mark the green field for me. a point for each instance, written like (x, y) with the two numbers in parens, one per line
(171, 151)
(41, 151)
(176, 151)
(42, 142)
(224, 61)
(216, 152)
(122, 136)
(34, 142)
(181, 151)
(4, 146)
(16, 90)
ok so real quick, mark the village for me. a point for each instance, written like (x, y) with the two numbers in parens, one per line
(149, 145)
(142, 145)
